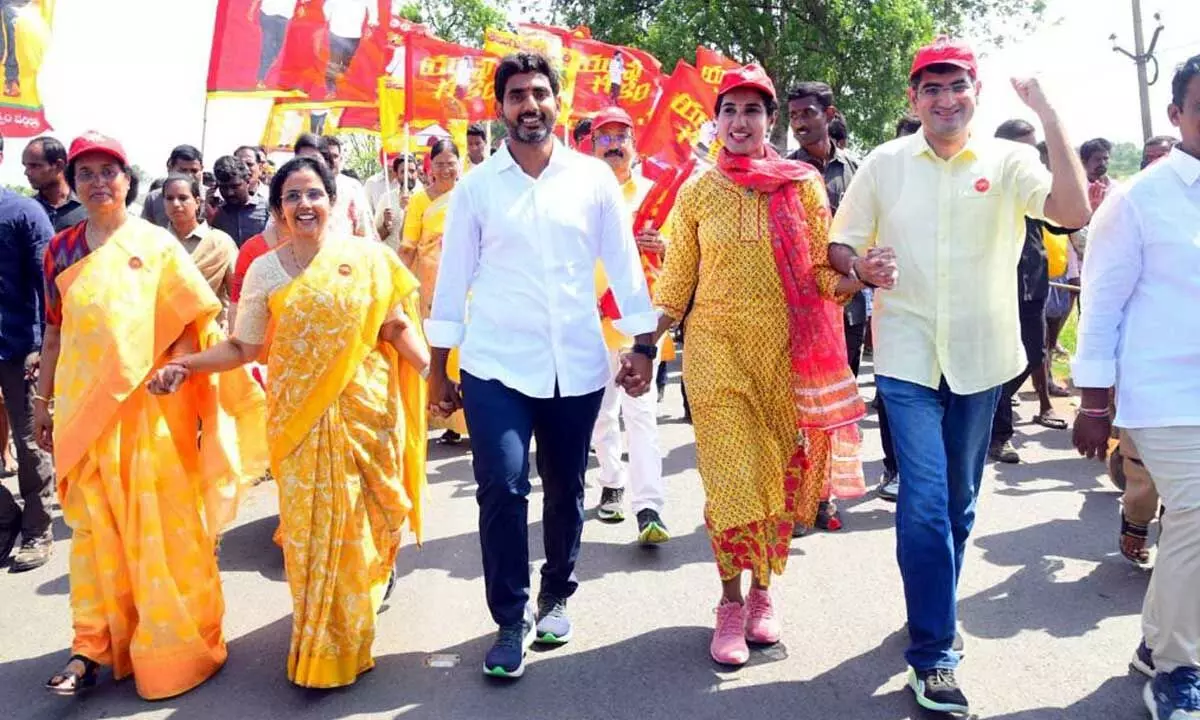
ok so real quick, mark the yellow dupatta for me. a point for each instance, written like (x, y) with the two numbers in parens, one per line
(110, 347)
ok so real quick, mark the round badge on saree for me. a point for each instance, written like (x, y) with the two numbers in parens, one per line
(344, 269)
(135, 262)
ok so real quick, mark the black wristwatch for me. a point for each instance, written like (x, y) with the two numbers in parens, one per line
(649, 351)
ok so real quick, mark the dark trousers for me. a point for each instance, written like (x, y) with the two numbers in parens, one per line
(885, 436)
(341, 52)
(35, 473)
(1033, 337)
(274, 30)
(855, 336)
(12, 66)
(501, 422)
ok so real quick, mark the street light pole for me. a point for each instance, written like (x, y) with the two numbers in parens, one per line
(1142, 56)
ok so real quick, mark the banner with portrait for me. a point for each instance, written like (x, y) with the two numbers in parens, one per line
(27, 30)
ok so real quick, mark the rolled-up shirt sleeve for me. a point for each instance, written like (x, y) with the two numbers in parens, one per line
(1110, 274)
(623, 263)
(461, 244)
(857, 218)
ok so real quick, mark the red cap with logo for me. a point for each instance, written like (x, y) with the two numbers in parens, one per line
(945, 51)
(611, 115)
(92, 141)
(750, 76)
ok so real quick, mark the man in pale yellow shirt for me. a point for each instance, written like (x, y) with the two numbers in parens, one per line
(941, 216)
(612, 141)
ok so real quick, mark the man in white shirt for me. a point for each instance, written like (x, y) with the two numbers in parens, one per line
(612, 141)
(1139, 332)
(524, 232)
(345, 19)
(945, 209)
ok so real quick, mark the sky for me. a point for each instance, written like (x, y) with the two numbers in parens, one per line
(136, 69)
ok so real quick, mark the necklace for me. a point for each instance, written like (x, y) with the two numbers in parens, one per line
(296, 259)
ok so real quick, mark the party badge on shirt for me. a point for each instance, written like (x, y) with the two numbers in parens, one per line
(982, 185)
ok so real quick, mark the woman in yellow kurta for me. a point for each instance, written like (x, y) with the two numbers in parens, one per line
(338, 320)
(421, 250)
(772, 398)
(144, 499)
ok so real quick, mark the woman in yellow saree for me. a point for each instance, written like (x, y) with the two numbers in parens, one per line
(338, 320)
(144, 497)
(421, 250)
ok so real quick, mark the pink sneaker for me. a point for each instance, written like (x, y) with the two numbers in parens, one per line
(729, 640)
(762, 625)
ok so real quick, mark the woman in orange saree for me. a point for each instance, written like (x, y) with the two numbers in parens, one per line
(144, 497)
(338, 319)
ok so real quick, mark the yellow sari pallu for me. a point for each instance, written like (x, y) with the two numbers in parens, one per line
(347, 436)
(144, 499)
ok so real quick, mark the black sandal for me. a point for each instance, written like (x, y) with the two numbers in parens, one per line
(450, 438)
(80, 681)
(1140, 533)
(828, 518)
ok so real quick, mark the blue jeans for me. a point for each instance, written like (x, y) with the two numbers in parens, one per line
(941, 441)
(501, 422)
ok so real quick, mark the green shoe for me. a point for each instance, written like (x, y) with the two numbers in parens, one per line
(651, 529)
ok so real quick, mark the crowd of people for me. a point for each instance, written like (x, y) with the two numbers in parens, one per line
(300, 325)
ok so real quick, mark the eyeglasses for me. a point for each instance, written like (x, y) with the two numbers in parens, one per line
(933, 92)
(444, 165)
(611, 140)
(313, 195)
(108, 173)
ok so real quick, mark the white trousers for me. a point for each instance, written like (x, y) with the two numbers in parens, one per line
(1171, 613)
(644, 475)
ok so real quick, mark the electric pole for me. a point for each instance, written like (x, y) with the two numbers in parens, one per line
(1142, 57)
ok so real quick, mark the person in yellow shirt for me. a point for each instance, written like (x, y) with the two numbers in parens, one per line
(612, 141)
(941, 216)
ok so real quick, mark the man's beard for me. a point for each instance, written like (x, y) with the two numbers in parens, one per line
(517, 131)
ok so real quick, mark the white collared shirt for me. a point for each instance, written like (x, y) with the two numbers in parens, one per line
(524, 252)
(346, 16)
(1140, 322)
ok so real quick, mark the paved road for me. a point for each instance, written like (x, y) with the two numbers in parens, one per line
(1049, 613)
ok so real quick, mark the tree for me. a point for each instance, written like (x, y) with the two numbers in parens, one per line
(862, 48)
(459, 21)
(362, 154)
(1125, 160)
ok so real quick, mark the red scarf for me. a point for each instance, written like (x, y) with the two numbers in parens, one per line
(825, 392)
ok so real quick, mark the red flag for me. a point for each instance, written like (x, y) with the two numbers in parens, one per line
(445, 81)
(652, 213)
(639, 84)
(712, 65)
(669, 139)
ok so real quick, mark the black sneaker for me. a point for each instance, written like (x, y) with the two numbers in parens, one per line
(34, 553)
(651, 529)
(937, 690)
(889, 486)
(506, 659)
(1143, 660)
(612, 505)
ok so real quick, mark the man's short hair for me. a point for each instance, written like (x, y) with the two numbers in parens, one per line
(230, 169)
(583, 128)
(52, 150)
(814, 89)
(1093, 146)
(1183, 76)
(185, 153)
(476, 130)
(522, 63)
(1015, 129)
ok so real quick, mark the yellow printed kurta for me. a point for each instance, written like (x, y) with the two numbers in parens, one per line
(145, 500)
(347, 436)
(424, 225)
(737, 367)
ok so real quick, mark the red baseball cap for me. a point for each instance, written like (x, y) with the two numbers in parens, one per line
(749, 76)
(945, 51)
(92, 141)
(610, 115)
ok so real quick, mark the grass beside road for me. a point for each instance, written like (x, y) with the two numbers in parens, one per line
(1061, 368)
